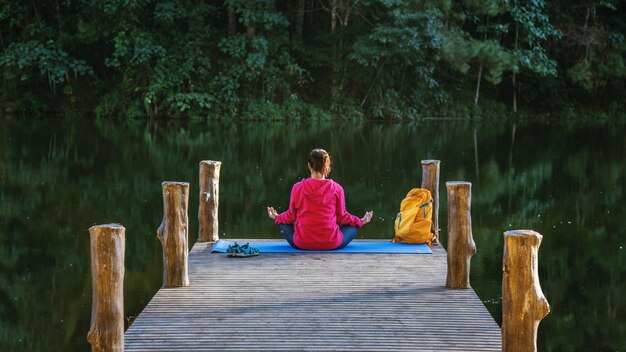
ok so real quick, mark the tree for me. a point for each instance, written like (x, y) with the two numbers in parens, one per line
(533, 30)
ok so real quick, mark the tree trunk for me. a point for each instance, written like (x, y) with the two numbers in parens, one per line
(232, 21)
(523, 302)
(334, 89)
(511, 174)
(514, 94)
(480, 75)
(250, 30)
(514, 74)
(300, 20)
(430, 181)
(173, 234)
(369, 89)
(28, 16)
(2, 40)
(58, 15)
(480, 71)
(461, 246)
(333, 16)
(476, 155)
(107, 244)
(209, 201)
(310, 13)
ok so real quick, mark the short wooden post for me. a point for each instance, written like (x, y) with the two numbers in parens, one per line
(523, 302)
(107, 244)
(209, 201)
(173, 234)
(461, 246)
(430, 181)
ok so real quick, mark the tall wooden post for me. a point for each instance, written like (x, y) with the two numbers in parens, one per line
(461, 246)
(430, 181)
(173, 234)
(107, 244)
(523, 302)
(209, 201)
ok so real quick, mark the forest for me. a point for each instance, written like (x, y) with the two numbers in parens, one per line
(312, 59)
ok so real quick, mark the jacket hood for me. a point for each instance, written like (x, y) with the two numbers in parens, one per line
(320, 191)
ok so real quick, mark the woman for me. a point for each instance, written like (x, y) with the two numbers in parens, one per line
(316, 207)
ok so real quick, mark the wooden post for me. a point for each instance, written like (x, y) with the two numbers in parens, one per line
(209, 201)
(107, 244)
(173, 234)
(430, 181)
(523, 302)
(461, 246)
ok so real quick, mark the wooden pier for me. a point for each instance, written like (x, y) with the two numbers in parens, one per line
(314, 302)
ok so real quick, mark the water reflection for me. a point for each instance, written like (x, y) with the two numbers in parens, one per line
(57, 178)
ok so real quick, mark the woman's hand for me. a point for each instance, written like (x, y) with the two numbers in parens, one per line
(271, 212)
(368, 217)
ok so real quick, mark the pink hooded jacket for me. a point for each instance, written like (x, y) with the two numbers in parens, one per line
(317, 206)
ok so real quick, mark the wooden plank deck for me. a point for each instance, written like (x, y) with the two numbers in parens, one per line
(314, 302)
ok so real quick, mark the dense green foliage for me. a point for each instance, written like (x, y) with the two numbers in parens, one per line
(310, 58)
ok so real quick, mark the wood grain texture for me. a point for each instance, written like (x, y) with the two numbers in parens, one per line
(174, 234)
(314, 302)
(430, 181)
(209, 201)
(461, 246)
(108, 246)
(523, 302)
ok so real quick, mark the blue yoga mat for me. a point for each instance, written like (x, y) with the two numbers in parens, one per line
(359, 246)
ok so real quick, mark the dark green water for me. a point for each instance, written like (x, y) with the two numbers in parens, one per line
(58, 178)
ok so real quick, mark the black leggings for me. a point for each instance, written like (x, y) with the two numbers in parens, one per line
(349, 233)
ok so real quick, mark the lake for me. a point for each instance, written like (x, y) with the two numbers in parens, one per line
(564, 180)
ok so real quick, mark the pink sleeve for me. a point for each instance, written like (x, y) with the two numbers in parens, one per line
(289, 216)
(343, 217)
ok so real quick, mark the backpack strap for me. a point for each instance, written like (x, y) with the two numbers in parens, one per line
(425, 205)
(399, 219)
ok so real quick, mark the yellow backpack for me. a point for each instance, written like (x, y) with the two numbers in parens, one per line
(414, 221)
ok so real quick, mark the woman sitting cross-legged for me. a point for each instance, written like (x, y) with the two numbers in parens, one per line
(316, 209)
